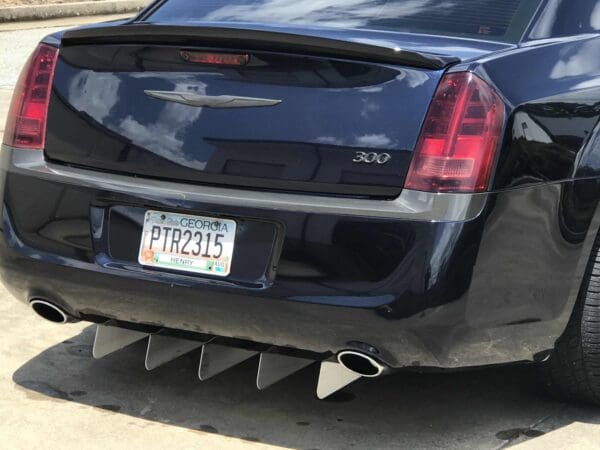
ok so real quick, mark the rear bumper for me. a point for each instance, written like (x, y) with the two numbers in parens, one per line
(428, 280)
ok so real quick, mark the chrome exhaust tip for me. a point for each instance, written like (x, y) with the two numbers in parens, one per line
(360, 363)
(49, 311)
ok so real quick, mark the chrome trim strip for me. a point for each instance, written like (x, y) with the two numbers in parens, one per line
(211, 101)
(410, 205)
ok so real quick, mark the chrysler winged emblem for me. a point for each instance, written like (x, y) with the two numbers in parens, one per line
(212, 101)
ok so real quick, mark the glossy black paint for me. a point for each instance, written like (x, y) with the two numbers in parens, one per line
(100, 117)
(261, 40)
(554, 110)
(494, 289)
(498, 288)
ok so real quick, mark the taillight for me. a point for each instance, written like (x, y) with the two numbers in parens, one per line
(223, 59)
(459, 139)
(26, 122)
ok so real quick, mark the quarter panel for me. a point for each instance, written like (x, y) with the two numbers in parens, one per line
(552, 91)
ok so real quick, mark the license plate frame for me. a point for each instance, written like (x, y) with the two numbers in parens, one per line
(208, 251)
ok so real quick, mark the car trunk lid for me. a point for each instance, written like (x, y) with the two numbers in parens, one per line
(306, 111)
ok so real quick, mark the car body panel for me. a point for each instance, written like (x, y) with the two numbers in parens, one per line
(429, 293)
(554, 113)
(427, 280)
(122, 129)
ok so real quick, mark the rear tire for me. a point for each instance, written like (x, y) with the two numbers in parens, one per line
(573, 370)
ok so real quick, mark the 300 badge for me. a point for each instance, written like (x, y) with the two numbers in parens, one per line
(371, 157)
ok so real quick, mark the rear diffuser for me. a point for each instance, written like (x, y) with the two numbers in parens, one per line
(215, 358)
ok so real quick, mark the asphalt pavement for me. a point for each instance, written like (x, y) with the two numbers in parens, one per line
(53, 394)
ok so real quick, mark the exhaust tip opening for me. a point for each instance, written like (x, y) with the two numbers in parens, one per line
(360, 363)
(49, 311)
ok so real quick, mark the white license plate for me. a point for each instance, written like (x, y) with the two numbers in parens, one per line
(187, 243)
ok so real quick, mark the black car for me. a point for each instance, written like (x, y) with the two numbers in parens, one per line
(370, 185)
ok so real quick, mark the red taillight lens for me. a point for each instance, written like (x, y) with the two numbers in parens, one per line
(26, 122)
(221, 59)
(456, 149)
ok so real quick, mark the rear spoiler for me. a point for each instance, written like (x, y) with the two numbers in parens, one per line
(252, 39)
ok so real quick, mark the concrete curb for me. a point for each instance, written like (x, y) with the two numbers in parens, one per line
(55, 10)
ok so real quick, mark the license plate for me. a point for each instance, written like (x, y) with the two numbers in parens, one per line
(187, 243)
